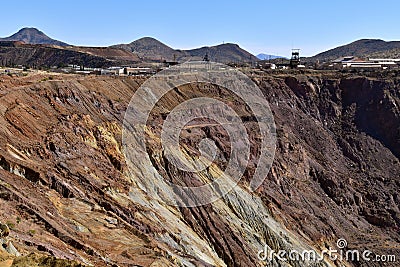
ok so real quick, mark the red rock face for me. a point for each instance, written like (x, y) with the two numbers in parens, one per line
(66, 189)
(338, 140)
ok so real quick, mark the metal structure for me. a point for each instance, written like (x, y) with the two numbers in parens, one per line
(295, 59)
(205, 58)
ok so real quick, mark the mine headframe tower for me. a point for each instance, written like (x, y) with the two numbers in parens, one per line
(206, 58)
(295, 59)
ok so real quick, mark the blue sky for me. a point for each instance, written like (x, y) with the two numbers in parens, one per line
(272, 27)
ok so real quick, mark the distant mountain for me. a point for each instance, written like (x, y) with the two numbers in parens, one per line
(267, 57)
(150, 48)
(141, 50)
(360, 48)
(224, 53)
(33, 36)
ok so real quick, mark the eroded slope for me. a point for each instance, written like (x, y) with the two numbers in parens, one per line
(66, 189)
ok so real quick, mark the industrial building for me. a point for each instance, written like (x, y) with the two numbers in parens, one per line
(358, 63)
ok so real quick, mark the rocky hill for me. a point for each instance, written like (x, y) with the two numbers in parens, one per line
(33, 36)
(31, 47)
(391, 53)
(65, 190)
(18, 53)
(362, 48)
(152, 49)
(263, 56)
(44, 56)
(224, 53)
